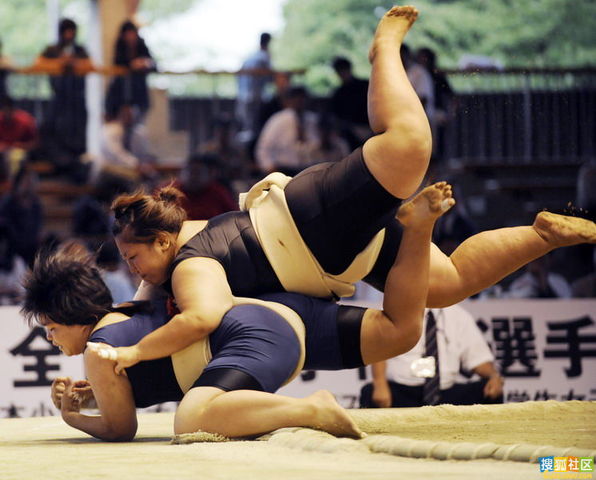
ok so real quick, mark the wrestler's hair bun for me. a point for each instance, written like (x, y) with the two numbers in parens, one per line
(169, 194)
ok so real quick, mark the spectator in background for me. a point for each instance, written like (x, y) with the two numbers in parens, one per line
(12, 268)
(114, 274)
(132, 53)
(331, 146)
(444, 99)
(270, 107)
(454, 227)
(289, 136)
(276, 102)
(539, 282)
(64, 129)
(206, 197)
(348, 104)
(224, 146)
(404, 381)
(21, 210)
(125, 151)
(91, 220)
(18, 136)
(420, 79)
(251, 86)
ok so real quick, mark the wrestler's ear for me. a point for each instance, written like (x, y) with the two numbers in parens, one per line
(163, 240)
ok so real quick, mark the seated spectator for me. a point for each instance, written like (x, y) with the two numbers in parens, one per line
(428, 374)
(289, 136)
(18, 136)
(131, 53)
(91, 219)
(114, 274)
(539, 282)
(64, 129)
(224, 146)
(12, 268)
(125, 150)
(348, 104)
(21, 209)
(331, 147)
(206, 197)
(276, 102)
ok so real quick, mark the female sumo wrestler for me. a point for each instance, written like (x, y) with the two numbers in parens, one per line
(321, 231)
(226, 382)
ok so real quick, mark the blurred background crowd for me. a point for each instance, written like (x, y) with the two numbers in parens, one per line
(96, 112)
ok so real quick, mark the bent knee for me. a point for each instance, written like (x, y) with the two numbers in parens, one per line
(409, 337)
(187, 423)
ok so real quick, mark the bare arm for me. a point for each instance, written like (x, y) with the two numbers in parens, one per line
(494, 386)
(117, 420)
(203, 296)
(381, 394)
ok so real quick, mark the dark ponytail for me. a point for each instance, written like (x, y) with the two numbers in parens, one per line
(140, 217)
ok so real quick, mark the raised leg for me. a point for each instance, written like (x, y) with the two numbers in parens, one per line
(484, 259)
(397, 328)
(399, 153)
(244, 413)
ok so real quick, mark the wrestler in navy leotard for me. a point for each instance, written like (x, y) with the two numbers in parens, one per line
(251, 348)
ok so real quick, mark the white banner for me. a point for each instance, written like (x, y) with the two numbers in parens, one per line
(29, 364)
(546, 349)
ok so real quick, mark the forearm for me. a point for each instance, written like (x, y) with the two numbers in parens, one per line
(96, 427)
(487, 370)
(379, 373)
(180, 332)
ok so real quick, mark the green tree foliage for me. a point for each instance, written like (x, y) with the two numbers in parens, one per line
(528, 33)
(24, 29)
(152, 10)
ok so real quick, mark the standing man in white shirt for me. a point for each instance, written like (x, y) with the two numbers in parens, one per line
(421, 81)
(289, 137)
(402, 381)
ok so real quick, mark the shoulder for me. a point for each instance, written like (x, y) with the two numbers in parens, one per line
(111, 318)
(189, 230)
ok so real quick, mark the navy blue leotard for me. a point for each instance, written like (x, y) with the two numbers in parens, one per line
(251, 348)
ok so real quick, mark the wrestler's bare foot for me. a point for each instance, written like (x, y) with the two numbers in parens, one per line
(331, 417)
(563, 231)
(427, 206)
(392, 28)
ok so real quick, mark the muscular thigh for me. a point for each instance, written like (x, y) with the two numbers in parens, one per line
(445, 283)
(338, 208)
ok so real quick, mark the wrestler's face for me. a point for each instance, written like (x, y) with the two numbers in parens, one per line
(70, 339)
(150, 261)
